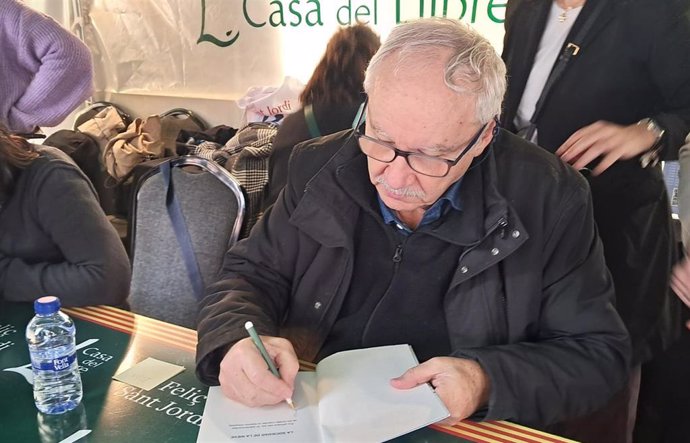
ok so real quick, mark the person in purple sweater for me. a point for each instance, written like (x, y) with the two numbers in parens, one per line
(46, 72)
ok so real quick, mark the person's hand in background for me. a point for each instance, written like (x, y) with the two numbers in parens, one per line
(607, 142)
(680, 282)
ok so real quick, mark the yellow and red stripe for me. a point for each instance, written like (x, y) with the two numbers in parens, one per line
(130, 323)
(499, 432)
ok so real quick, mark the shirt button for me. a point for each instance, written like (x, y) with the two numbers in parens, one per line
(464, 270)
(515, 233)
(495, 251)
(317, 305)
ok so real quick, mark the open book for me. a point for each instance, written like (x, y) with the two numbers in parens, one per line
(347, 399)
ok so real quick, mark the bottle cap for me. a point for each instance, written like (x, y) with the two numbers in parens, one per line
(47, 305)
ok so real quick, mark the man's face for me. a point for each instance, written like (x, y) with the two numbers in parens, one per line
(416, 112)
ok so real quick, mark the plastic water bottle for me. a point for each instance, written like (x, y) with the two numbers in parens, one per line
(57, 428)
(51, 338)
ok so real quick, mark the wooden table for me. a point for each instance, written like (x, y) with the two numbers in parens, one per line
(116, 412)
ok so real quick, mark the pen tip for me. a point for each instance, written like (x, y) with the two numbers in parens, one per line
(248, 325)
(289, 402)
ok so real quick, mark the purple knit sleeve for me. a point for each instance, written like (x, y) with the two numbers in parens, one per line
(62, 72)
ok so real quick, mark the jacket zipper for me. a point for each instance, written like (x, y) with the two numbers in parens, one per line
(397, 257)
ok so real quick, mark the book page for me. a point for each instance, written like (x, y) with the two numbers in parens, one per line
(357, 402)
(225, 420)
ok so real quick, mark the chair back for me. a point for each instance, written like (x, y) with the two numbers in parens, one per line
(212, 206)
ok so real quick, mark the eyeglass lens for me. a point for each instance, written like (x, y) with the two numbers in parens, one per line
(421, 163)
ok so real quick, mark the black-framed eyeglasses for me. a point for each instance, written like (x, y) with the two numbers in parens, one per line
(421, 163)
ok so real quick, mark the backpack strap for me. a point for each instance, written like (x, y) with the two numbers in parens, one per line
(311, 121)
(180, 227)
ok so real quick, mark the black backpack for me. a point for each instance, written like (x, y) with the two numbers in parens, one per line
(86, 153)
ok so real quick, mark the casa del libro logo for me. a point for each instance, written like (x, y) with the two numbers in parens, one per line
(314, 13)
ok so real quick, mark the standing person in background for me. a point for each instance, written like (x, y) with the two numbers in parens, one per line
(684, 195)
(671, 399)
(680, 280)
(332, 96)
(46, 72)
(54, 237)
(622, 99)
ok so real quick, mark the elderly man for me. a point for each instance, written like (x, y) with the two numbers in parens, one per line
(426, 225)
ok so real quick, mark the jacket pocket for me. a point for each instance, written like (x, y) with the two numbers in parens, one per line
(476, 311)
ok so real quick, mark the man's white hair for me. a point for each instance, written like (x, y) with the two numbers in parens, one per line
(473, 68)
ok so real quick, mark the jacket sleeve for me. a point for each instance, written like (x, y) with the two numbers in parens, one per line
(254, 284)
(579, 354)
(60, 65)
(95, 269)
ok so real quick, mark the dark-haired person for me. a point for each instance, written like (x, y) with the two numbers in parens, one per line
(54, 237)
(334, 92)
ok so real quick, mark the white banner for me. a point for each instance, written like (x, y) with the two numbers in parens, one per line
(217, 49)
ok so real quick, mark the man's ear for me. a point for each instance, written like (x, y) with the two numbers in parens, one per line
(485, 139)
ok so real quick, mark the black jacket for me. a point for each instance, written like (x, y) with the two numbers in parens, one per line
(56, 240)
(329, 117)
(634, 63)
(530, 298)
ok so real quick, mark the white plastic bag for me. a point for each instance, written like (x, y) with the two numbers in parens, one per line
(270, 103)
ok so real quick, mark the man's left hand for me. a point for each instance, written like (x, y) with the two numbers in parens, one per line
(461, 384)
(608, 141)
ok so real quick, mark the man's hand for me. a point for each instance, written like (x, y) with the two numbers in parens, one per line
(680, 282)
(461, 384)
(245, 377)
(607, 141)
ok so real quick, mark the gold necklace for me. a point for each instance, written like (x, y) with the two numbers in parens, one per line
(563, 16)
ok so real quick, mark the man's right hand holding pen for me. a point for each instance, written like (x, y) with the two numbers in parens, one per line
(245, 378)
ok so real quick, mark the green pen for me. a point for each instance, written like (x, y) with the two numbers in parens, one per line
(249, 326)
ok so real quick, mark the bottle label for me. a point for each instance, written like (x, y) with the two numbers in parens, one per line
(56, 364)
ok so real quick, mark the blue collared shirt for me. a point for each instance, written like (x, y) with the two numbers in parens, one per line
(449, 199)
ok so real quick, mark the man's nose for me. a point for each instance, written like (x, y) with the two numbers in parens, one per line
(398, 172)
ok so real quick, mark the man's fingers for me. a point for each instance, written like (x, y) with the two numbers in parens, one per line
(416, 376)
(245, 376)
(288, 366)
(259, 374)
(263, 379)
(236, 385)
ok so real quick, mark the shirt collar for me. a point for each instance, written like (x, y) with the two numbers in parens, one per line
(449, 199)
